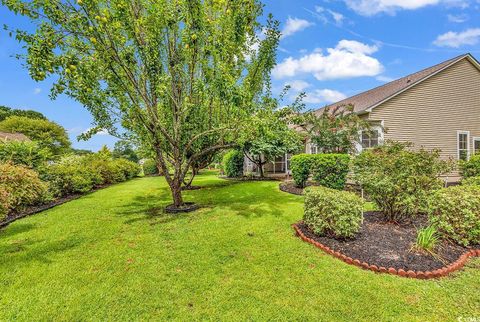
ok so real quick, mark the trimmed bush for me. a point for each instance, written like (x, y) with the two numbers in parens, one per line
(471, 181)
(23, 153)
(328, 170)
(455, 211)
(19, 187)
(300, 166)
(150, 167)
(400, 179)
(130, 169)
(470, 168)
(333, 213)
(233, 164)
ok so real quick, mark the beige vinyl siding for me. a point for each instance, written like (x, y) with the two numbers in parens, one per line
(430, 113)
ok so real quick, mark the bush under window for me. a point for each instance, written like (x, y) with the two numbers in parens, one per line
(470, 168)
(333, 213)
(233, 164)
(455, 211)
(400, 179)
(329, 170)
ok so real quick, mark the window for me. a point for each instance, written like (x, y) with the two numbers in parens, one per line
(313, 148)
(476, 145)
(370, 139)
(463, 148)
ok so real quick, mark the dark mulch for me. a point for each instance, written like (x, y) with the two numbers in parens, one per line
(185, 188)
(186, 207)
(33, 210)
(387, 244)
(290, 187)
(250, 178)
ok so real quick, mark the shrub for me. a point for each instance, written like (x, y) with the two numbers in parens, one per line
(455, 211)
(19, 187)
(71, 174)
(399, 179)
(475, 181)
(300, 165)
(233, 164)
(470, 168)
(333, 213)
(23, 153)
(328, 170)
(150, 167)
(130, 169)
(427, 239)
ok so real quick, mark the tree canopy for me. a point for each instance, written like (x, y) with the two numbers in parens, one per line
(334, 129)
(47, 134)
(7, 112)
(171, 71)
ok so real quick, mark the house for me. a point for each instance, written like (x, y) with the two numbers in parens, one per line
(6, 137)
(435, 108)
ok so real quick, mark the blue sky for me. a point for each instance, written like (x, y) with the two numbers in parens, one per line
(330, 49)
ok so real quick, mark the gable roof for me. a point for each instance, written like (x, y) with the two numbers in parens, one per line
(365, 101)
(4, 136)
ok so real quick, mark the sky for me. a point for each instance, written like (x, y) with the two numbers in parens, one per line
(330, 49)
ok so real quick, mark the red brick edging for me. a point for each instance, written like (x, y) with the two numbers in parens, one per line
(458, 264)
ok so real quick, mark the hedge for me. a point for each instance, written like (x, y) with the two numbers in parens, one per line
(19, 187)
(233, 164)
(470, 168)
(329, 212)
(329, 170)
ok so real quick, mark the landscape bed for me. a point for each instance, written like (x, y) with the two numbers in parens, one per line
(386, 247)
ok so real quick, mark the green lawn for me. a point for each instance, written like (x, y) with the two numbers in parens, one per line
(113, 255)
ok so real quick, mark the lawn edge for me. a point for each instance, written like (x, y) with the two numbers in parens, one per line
(441, 272)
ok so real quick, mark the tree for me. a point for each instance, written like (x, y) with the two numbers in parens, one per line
(334, 130)
(7, 111)
(272, 137)
(125, 149)
(46, 133)
(170, 71)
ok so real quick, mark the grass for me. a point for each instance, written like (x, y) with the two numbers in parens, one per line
(114, 255)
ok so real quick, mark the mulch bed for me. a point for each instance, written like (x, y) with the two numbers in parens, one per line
(250, 178)
(186, 207)
(33, 210)
(389, 245)
(290, 187)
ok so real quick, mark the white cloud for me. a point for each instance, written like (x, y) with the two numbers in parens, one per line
(323, 15)
(324, 96)
(458, 39)
(101, 132)
(385, 79)
(347, 60)
(457, 18)
(373, 7)
(37, 91)
(294, 25)
(298, 85)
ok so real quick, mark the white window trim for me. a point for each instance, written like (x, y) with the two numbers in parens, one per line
(474, 139)
(381, 136)
(458, 143)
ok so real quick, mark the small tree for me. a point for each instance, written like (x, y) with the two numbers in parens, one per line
(334, 129)
(7, 112)
(171, 71)
(125, 149)
(48, 134)
(400, 179)
(271, 137)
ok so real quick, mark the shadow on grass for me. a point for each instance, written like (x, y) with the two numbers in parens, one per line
(26, 250)
(247, 199)
(16, 229)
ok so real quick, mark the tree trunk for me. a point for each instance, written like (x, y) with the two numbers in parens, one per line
(262, 175)
(176, 188)
(159, 167)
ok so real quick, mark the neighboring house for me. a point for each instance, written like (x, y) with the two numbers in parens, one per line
(436, 108)
(6, 137)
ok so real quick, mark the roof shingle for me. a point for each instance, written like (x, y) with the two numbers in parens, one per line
(370, 98)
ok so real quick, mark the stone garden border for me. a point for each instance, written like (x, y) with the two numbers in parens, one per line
(455, 266)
